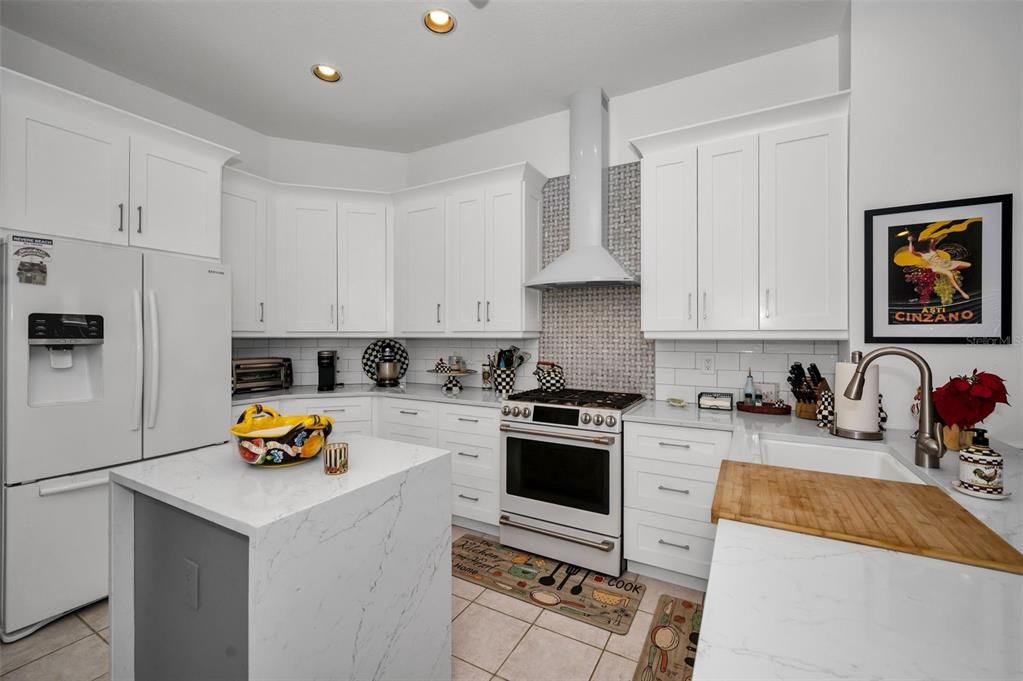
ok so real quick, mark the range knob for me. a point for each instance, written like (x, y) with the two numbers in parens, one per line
(505, 410)
(526, 412)
(516, 411)
(585, 418)
(598, 420)
(610, 421)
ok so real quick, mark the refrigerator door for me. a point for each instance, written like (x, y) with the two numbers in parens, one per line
(69, 410)
(188, 354)
(56, 541)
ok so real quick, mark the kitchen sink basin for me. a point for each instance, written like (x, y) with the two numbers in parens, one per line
(865, 463)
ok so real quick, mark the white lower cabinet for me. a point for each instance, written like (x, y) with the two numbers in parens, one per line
(414, 435)
(670, 474)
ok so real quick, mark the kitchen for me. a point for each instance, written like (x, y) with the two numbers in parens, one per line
(341, 234)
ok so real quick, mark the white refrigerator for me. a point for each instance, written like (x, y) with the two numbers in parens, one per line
(110, 355)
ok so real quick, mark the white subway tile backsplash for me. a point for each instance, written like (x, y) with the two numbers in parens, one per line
(676, 360)
(692, 345)
(763, 362)
(740, 346)
(825, 347)
(786, 347)
(737, 379)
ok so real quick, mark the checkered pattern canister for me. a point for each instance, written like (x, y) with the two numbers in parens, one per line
(825, 409)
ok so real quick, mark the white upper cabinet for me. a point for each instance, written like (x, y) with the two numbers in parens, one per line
(244, 241)
(72, 167)
(505, 231)
(419, 265)
(803, 232)
(466, 259)
(727, 235)
(306, 254)
(363, 274)
(668, 245)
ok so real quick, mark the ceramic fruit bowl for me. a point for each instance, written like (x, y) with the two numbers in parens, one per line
(267, 439)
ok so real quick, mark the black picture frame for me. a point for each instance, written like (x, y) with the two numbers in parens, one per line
(999, 205)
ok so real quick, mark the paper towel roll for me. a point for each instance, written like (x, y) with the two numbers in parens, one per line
(858, 414)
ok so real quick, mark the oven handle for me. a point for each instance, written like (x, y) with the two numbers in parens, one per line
(595, 439)
(605, 545)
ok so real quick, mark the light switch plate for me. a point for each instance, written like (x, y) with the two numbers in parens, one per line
(190, 583)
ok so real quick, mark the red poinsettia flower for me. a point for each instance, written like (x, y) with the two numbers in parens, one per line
(965, 401)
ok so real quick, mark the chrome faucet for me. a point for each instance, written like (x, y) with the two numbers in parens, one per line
(929, 445)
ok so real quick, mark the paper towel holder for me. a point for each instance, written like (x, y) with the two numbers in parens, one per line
(834, 429)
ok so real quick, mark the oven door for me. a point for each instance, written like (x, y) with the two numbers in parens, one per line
(571, 478)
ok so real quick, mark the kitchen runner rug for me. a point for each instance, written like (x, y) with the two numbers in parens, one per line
(601, 600)
(669, 650)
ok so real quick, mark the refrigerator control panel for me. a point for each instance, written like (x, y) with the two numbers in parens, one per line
(65, 329)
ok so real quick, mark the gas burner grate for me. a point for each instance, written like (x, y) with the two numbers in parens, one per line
(593, 399)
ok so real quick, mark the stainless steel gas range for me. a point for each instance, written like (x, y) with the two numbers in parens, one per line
(561, 475)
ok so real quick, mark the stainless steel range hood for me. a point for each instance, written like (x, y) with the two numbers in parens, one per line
(587, 261)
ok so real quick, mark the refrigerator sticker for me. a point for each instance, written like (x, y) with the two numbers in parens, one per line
(31, 254)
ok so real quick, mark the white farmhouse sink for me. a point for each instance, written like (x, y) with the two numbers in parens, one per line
(865, 463)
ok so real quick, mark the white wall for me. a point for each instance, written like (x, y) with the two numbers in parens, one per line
(936, 115)
(797, 73)
(333, 165)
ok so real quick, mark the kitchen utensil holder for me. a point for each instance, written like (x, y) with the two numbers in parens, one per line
(504, 381)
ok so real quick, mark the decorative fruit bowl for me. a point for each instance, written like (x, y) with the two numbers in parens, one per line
(265, 438)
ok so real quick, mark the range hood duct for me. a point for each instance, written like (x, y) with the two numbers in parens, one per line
(587, 262)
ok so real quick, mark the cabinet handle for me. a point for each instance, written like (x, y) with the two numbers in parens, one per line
(409, 412)
(438, 313)
(468, 420)
(674, 444)
(672, 489)
(261, 312)
(690, 304)
(464, 496)
(471, 456)
(140, 220)
(336, 410)
(342, 321)
(684, 547)
(120, 219)
(478, 305)
(705, 305)
(767, 303)
(332, 313)
(488, 311)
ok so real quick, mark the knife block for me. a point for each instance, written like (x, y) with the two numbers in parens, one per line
(808, 410)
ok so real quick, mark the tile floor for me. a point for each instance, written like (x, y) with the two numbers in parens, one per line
(494, 638)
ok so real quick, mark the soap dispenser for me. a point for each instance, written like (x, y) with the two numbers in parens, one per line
(981, 468)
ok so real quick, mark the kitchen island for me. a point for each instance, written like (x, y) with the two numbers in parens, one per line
(224, 570)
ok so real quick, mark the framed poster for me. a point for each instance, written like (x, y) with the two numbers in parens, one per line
(940, 272)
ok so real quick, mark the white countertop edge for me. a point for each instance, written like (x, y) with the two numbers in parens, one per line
(426, 392)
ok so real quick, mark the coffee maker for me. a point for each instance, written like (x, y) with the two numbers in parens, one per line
(326, 363)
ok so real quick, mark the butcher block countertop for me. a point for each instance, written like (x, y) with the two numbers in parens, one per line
(917, 519)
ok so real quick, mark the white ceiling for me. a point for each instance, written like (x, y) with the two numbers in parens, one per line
(404, 88)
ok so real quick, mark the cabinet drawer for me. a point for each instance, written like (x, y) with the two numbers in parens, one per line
(676, 489)
(341, 409)
(467, 419)
(409, 412)
(475, 503)
(412, 434)
(342, 429)
(671, 443)
(475, 455)
(684, 546)
(238, 409)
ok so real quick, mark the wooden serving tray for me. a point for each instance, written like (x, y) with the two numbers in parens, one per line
(764, 409)
(901, 516)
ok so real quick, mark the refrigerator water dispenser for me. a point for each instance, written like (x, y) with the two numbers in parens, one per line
(65, 358)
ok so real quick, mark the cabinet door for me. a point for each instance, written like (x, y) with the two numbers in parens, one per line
(243, 234)
(175, 199)
(419, 266)
(728, 235)
(502, 309)
(307, 263)
(467, 261)
(363, 258)
(803, 232)
(669, 241)
(62, 173)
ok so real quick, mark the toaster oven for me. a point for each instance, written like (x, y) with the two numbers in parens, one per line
(261, 374)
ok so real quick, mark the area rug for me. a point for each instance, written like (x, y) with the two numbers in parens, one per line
(669, 653)
(601, 600)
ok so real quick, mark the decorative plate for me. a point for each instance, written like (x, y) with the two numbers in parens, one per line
(375, 350)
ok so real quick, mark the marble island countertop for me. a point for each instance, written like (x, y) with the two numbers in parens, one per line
(409, 391)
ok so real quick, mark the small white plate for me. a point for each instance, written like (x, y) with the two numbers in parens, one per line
(980, 495)
(676, 402)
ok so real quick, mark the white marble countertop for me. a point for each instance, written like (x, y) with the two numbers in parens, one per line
(409, 391)
(214, 483)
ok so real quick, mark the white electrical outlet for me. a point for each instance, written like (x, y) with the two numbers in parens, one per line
(707, 364)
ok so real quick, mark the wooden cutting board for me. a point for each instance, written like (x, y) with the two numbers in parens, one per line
(901, 516)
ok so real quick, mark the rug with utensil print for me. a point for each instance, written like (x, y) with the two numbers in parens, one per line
(669, 650)
(604, 601)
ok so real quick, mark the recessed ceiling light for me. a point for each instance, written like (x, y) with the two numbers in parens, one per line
(326, 73)
(439, 21)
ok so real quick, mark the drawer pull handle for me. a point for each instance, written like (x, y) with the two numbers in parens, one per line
(673, 489)
(464, 496)
(408, 412)
(673, 444)
(339, 410)
(471, 456)
(468, 420)
(684, 547)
